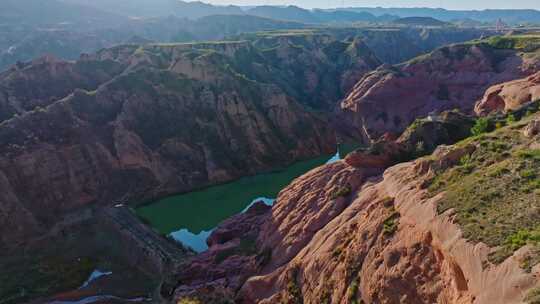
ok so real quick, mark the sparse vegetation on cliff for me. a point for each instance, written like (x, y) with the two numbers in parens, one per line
(481, 126)
(525, 43)
(264, 257)
(391, 223)
(353, 290)
(41, 277)
(533, 297)
(424, 135)
(495, 190)
(293, 291)
(189, 301)
(341, 192)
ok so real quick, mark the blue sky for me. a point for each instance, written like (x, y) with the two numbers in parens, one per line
(449, 4)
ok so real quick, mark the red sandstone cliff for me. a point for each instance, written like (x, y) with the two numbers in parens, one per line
(132, 123)
(390, 98)
(509, 95)
(381, 241)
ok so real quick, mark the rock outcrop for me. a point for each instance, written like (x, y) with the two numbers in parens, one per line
(510, 95)
(232, 256)
(422, 137)
(390, 246)
(532, 129)
(278, 234)
(390, 98)
(316, 69)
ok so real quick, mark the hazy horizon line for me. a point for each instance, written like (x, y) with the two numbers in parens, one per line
(363, 5)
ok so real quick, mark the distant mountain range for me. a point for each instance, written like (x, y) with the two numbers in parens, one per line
(419, 21)
(194, 10)
(23, 43)
(511, 16)
(67, 28)
(157, 8)
(54, 12)
(294, 13)
(106, 13)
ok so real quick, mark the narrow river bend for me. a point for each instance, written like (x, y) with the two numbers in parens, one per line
(191, 217)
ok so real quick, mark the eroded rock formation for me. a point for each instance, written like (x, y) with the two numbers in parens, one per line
(392, 97)
(510, 95)
(132, 123)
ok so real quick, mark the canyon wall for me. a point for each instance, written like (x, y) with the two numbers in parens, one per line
(131, 123)
(456, 226)
(452, 77)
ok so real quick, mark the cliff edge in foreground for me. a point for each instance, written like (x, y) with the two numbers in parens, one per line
(457, 226)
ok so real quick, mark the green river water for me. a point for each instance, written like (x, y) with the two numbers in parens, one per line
(191, 217)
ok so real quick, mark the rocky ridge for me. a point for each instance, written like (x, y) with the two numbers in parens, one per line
(456, 76)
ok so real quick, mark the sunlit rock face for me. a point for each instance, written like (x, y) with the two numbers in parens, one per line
(381, 240)
(510, 95)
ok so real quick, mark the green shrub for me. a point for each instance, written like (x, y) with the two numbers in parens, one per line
(481, 126)
(337, 252)
(498, 172)
(529, 154)
(326, 297)
(527, 43)
(533, 297)
(528, 174)
(533, 107)
(188, 301)
(420, 149)
(293, 290)
(353, 290)
(500, 42)
(341, 192)
(510, 119)
(390, 225)
(522, 238)
(466, 164)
